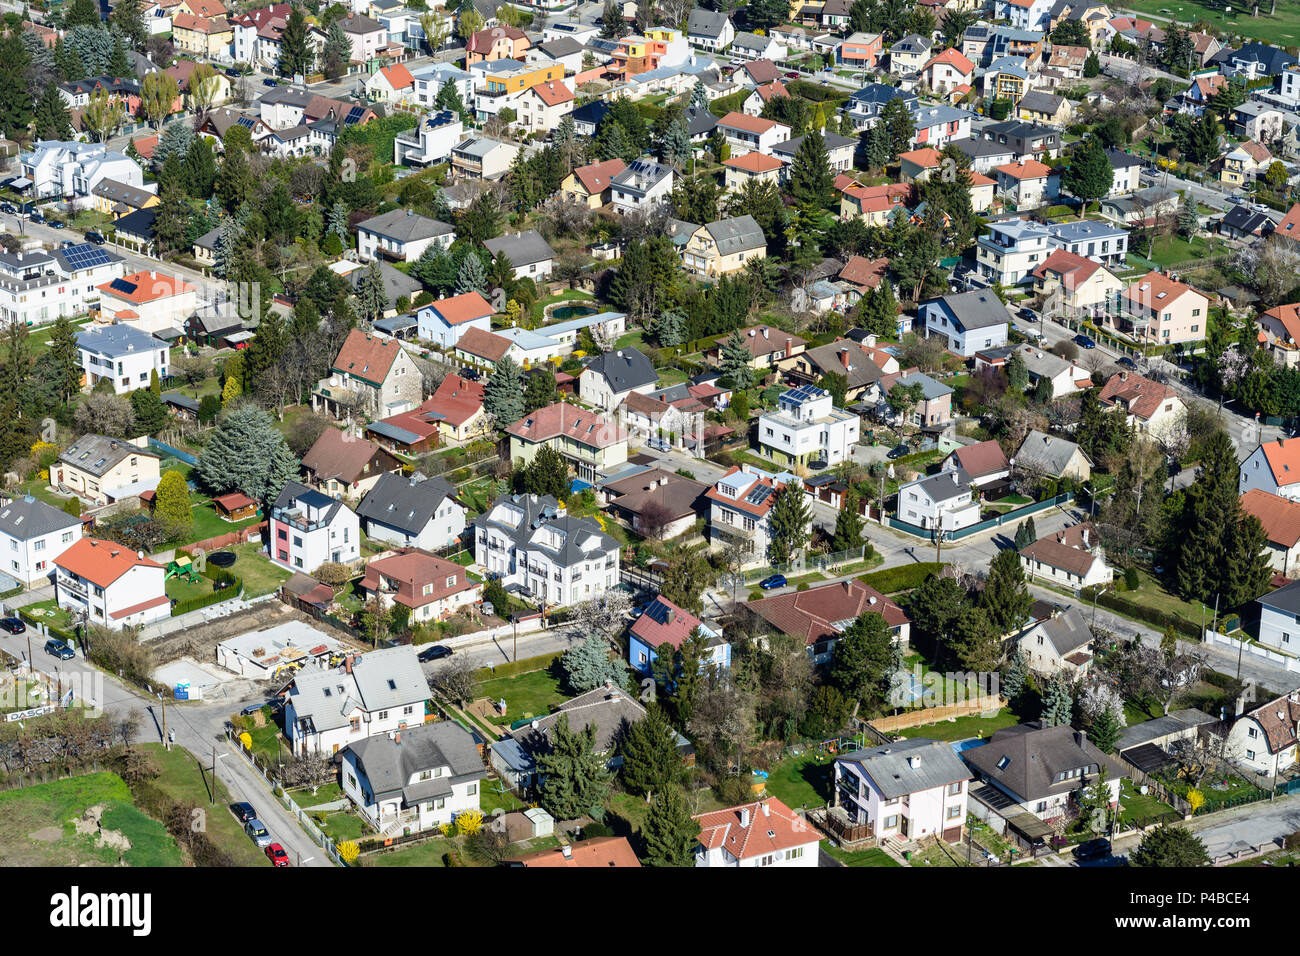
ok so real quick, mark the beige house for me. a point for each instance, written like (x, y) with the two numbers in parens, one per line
(589, 442)
(370, 376)
(722, 247)
(102, 470)
(752, 165)
(1074, 285)
(1054, 456)
(1058, 644)
(767, 345)
(1151, 407)
(589, 185)
(1071, 557)
(1165, 311)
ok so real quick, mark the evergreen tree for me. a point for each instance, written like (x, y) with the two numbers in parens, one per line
(612, 142)
(897, 120)
(372, 297)
(337, 222)
(234, 185)
(811, 178)
(789, 518)
(172, 218)
(336, 51)
(51, 116)
(449, 98)
(1105, 730)
(296, 56)
(118, 64)
(1017, 373)
(546, 474)
(172, 501)
(127, 18)
(699, 96)
(612, 24)
(541, 390)
(1016, 676)
(247, 453)
(229, 238)
(675, 144)
(575, 780)
(876, 145)
(1006, 594)
(669, 833)
(733, 362)
(1187, 222)
(935, 604)
(973, 642)
(503, 397)
(649, 751)
(200, 169)
(175, 140)
(848, 524)
(82, 13)
(1089, 174)
(67, 357)
(1058, 703)
(878, 311)
(1170, 846)
(150, 412)
(16, 109)
(471, 276)
(862, 658)
(1022, 539)
(589, 665)
(1092, 65)
(669, 329)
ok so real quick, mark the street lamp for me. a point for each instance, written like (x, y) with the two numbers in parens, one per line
(1095, 595)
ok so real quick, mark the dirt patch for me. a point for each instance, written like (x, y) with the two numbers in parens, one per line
(89, 822)
(200, 642)
(47, 834)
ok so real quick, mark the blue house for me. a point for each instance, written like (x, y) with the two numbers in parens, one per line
(663, 622)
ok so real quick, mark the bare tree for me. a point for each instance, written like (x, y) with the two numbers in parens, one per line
(455, 681)
(1206, 753)
(654, 520)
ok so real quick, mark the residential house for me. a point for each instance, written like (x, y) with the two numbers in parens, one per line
(590, 185)
(1025, 140)
(1244, 163)
(368, 37)
(1161, 309)
(860, 51)
(1092, 239)
(862, 365)
(940, 502)
(370, 375)
(370, 695)
(642, 187)
(414, 780)
(723, 247)
(750, 46)
(970, 321)
(613, 376)
(481, 157)
(101, 470)
(762, 95)
(744, 133)
(1042, 769)
(1273, 467)
(32, 535)
(908, 790)
(839, 150)
(983, 463)
(597, 852)
(932, 412)
(1028, 183)
(864, 105)
(908, 55)
(1075, 285)
(392, 83)
(1064, 376)
(740, 505)
(106, 583)
(1243, 222)
(543, 105)
(768, 346)
(761, 834)
(531, 256)
(1071, 557)
(497, 43)
(1126, 172)
(591, 444)
(401, 236)
(148, 301)
(1263, 740)
(344, 466)
(1050, 455)
(656, 503)
(1012, 250)
(1038, 106)
(709, 30)
(1150, 407)
(127, 357)
(118, 199)
(663, 622)
(752, 166)
(1253, 61)
(431, 142)
(819, 615)
(37, 287)
(807, 428)
(946, 71)
(529, 545)
(308, 528)
(446, 321)
(1280, 518)
(209, 38)
(453, 413)
(1142, 207)
(412, 511)
(939, 125)
(429, 587)
(70, 170)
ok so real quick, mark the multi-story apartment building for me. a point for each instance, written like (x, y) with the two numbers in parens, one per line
(807, 427)
(37, 287)
(122, 354)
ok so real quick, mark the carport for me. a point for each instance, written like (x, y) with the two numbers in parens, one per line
(1147, 758)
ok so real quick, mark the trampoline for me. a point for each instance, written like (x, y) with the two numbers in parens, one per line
(222, 559)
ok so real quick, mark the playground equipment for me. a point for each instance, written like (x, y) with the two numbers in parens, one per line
(182, 568)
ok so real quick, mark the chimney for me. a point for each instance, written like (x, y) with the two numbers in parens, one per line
(767, 808)
(765, 331)
(1239, 707)
(1085, 537)
(1080, 738)
(954, 476)
(567, 851)
(347, 664)
(914, 762)
(744, 817)
(844, 357)
(1123, 377)
(397, 738)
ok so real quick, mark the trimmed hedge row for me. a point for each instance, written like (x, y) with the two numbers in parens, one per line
(1148, 615)
(903, 578)
(515, 668)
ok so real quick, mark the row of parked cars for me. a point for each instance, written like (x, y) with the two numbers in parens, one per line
(258, 833)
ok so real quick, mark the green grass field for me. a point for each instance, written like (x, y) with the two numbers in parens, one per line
(534, 694)
(259, 574)
(802, 781)
(37, 826)
(1282, 29)
(963, 727)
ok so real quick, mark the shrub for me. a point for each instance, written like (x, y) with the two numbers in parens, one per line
(756, 595)
(903, 578)
(469, 822)
(733, 791)
(593, 830)
(1131, 580)
(803, 586)
(349, 851)
(334, 574)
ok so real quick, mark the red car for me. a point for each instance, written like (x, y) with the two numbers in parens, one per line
(275, 853)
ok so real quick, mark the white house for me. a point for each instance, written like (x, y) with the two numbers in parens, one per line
(326, 709)
(644, 185)
(123, 354)
(110, 584)
(414, 511)
(308, 529)
(1059, 644)
(151, 301)
(528, 543)
(740, 507)
(429, 587)
(531, 255)
(942, 501)
(613, 376)
(1280, 518)
(806, 427)
(1273, 467)
(431, 142)
(429, 81)
(765, 833)
(970, 321)
(32, 535)
(445, 321)
(70, 170)
(709, 30)
(1263, 740)
(401, 236)
(1072, 557)
(37, 287)
(750, 46)
(752, 133)
(1279, 618)
(414, 780)
(908, 790)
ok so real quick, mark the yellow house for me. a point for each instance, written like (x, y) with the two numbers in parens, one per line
(117, 199)
(1245, 162)
(1037, 106)
(723, 247)
(520, 78)
(589, 185)
(96, 467)
(1077, 284)
(208, 38)
(201, 8)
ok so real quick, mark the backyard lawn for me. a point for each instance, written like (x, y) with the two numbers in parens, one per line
(534, 694)
(1150, 594)
(328, 793)
(179, 589)
(962, 728)
(1169, 250)
(209, 524)
(1282, 28)
(871, 857)
(802, 781)
(1140, 809)
(259, 574)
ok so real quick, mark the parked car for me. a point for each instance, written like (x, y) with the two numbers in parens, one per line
(275, 853)
(435, 653)
(1029, 315)
(13, 625)
(258, 832)
(659, 444)
(9, 208)
(95, 237)
(59, 649)
(233, 73)
(269, 82)
(36, 217)
(251, 709)
(243, 812)
(898, 451)
(1084, 341)
(1093, 850)
(775, 581)
(59, 224)
(1125, 362)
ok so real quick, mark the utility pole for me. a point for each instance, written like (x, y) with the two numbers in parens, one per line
(164, 716)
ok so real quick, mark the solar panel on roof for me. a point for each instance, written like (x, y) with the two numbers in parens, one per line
(123, 286)
(354, 115)
(758, 495)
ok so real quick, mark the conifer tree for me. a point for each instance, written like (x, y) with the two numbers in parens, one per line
(503, 397)
(669, 833)
(1058, 703)
(575, 780)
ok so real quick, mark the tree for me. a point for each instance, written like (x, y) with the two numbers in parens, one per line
(472, 275)
(127, 18)
(1089, 174)
(371, 294)
(105, 414)
(1188, 223)
(1170, 846)
(646, 280)
(861, 659)
(1016, 676)
(469, 23)
(66, 356)
(541, 390)
(935, 604)
(172, 501)
(903, 398)
(157, 97)
(336, 51)
(575, 780)
(811, 178)
(296, 55)
(51, 117)
(1025, 535)
(150, 412)
(15, 92)
(898, 124)
(789, 521)
(669, 833)
(1105, 730)
(1092, 65)
(1006, 594)
(503, 396)
(734, 361)
(649, 751)
(1058, 704)
(848, 524)
(247, 453)
(687, 575)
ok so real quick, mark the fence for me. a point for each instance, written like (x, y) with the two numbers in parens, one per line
(1142, 779)
(1276, 657)
(811, 562)
(241, 536)
(932, 715)
(986, 524)
(174, 452)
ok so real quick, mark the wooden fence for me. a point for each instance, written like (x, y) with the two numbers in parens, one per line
(932, 715)
(226, 540)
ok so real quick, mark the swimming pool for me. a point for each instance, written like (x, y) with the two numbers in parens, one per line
(970, 743)
(572, 312)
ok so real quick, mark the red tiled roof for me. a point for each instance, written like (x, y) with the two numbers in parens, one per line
(598, 851)
(768, 826)
(1289, 316)
(137, 608)
(482, 41)
(411, 570)
(398, 76)
(1029, 169)
(953, 58)
(1279, 516)
(762, 71)
(367, 356)
(925, 157)
(1065, 549)
(553, 93)
(982, 458)
(812, 614)
(1279, 719)
(568, 421)
(750, 124)
(462, 308)
(773, 90)
(596, 177)
(1155, 290)
(1073, 268)
(764, 339)
(101, 562)
(863, 272)
(754, 162)
(1283, 457)
(149, 287)
(1290, 224)
(675, 629)
(456, 399)
(483, 344)
(1142, 396)
(340, 455)
(234, 501)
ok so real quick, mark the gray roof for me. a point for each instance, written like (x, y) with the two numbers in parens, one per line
(295, 492)
(861, 371)
(402, 225)
(610, 709)
(832, 140)
(396, 282)
(1031, 757)
(1047, 452)
(1068, 631)
(1040, 101)
(564, 46)
(909, 766)
(945, 484)
(930, 389)
(980, 309)
(737, 234)
(912, 44)
(391, 763)
(538, 510)
(975, 148)
(98, 454)
(380, 680)
(26, 518)
(1283, 599)
(115, 340)
(1122, 160)
(523, 249)
(180, 400)
(1159, 727)
(750, 41)
(626, 369)
(406, 504)
(706, 23)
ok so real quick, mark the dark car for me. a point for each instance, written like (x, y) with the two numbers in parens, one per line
(472, 374)
(36, 217)
(8, 207)
(1085, 341)
(1028, 315)
(233, 73)
(251, 709)
(275, 853)
(435, 653)
(775, 581)
(898, 451)
(59, 224)
(1093, 850)
(59, 649)
(96, 238)
(1125, 362)
(269, 82)
(243, 812)
(13, 625)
